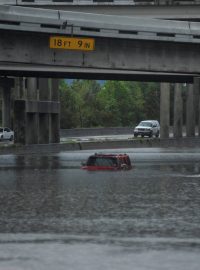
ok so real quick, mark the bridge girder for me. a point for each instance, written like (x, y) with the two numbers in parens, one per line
(29, 54)
(124, 46)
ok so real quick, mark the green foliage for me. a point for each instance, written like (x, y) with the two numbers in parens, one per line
(68, 106)
(151, 93)
(85, 92)
(86, 103)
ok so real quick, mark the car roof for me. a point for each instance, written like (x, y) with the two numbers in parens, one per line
(149, 121)
(108, 155)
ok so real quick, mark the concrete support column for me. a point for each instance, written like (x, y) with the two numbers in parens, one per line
(43, 128)
(190, 115)
(197, 102)
(55, 118)
(44, 95)
(32, 121)
(19, 88)
(44, 89)
(6, 84)
(178, 111)
(164, 109)
(32, 88)
(20, 121)
(55, 90)
(6, 107)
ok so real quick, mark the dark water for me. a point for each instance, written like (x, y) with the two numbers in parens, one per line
(53, 215)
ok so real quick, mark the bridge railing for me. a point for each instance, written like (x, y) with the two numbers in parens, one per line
(97, 2)
(95, 25)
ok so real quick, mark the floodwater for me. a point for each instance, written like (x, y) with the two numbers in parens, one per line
(53, 215)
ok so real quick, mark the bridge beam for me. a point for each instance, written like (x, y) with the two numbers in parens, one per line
(109, 55)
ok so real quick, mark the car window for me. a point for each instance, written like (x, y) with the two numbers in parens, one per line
(7, 129)
(1, 129)
(102, 161)
(145, 124)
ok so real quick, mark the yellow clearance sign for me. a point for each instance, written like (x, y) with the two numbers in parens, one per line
(72, 43)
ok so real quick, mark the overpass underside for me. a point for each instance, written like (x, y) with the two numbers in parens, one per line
(92, 74)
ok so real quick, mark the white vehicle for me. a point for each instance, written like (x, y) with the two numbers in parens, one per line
(6, 134)
(147, 128)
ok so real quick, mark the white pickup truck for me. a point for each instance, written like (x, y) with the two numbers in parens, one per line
(6, 134)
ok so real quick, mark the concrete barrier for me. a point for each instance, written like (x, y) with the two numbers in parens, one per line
(79, 132)
(192, 142)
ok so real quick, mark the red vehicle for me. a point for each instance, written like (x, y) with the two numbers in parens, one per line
(110, 162)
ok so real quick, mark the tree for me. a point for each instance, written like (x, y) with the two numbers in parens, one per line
(86, 102)
(137, 102)
(121, 103)
(109, 111)
(151, 93)
(68, 110)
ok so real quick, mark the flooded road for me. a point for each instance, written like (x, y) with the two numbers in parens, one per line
(53, 215)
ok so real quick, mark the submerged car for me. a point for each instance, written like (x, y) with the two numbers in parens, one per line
(107, 162)
(147, 128)
(6, 134)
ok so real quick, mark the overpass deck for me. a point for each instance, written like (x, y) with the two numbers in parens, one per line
(96, 25)
(161, 9)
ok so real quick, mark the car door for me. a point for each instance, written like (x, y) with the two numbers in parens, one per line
(155, 128)
(6, 133)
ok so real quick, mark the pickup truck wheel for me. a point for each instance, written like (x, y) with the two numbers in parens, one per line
(11, 138)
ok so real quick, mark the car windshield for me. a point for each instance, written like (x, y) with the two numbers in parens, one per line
(102, 161)
(145, 124)
(1, 129)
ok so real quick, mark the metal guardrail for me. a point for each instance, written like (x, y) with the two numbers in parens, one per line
(68, 2)
(97, 2)
(85, 24)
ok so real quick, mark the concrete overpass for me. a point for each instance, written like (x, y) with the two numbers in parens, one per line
(124, 48)
(161, 9)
